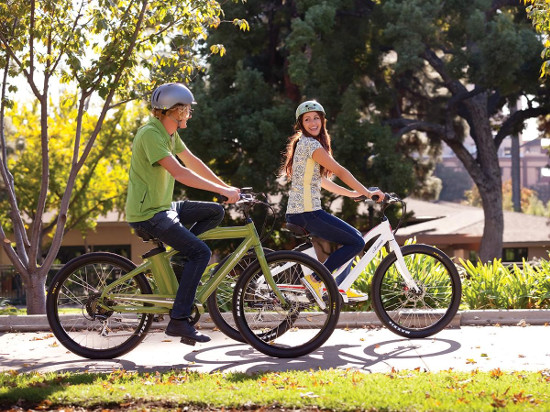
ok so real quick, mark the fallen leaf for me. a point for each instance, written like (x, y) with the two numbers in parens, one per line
(309, 395)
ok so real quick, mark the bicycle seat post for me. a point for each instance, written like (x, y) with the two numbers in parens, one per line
(160, 264)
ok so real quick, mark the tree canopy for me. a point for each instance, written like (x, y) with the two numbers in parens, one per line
(106, 54)
(295, 50)
(98, 187)
(458, 67)
(397, 78)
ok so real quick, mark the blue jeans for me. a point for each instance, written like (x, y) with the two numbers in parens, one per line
(326, 226)
(168, 227)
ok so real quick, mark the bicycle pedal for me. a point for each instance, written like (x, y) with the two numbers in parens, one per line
(188, 341)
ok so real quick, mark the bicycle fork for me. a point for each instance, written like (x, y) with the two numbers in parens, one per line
(402, 267)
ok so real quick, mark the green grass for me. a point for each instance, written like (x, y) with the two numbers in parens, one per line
(342, 390)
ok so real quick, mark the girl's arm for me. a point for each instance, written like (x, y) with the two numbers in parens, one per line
(322, 157)
(329, 185)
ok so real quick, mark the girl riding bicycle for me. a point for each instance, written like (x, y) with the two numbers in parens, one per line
(149, 208)
(309, 163)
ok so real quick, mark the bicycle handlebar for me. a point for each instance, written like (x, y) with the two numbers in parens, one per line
(246, 196)
(247, 200)
(388, 197)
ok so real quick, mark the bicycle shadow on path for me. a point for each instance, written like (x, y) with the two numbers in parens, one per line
(379, 357)
(382, 356)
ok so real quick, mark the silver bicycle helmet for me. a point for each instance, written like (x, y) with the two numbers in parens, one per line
(309, 106)
(169, 95)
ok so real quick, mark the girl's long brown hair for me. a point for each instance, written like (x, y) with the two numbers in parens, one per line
(323, 138)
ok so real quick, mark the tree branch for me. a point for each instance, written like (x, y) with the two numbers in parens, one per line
(515, 119)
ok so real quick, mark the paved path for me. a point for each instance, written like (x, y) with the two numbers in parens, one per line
(510, 348)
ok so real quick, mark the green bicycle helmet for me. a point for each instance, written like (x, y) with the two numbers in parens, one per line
(169, 95)
(309, 106)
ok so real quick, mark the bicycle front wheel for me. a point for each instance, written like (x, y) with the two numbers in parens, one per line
(219, 303)
(421, 313)
(80, 320)
(301, 323)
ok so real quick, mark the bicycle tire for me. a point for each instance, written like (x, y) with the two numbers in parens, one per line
(219, 303)
(417, 315)
(94, 332)
(263, 322)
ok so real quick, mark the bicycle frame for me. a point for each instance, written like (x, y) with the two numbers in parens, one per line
(166, 285)
(385, 235)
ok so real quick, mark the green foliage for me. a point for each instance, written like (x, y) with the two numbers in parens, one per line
(539, 13)
(454, 67)
(294, 51)
(498, 286)
(105, 54)
(6, 308)
(98, 188)
(493, 285)
(244, 144)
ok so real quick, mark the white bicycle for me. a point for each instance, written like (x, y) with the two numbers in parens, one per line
(415, 290)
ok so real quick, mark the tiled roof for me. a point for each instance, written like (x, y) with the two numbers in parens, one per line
(453, 218)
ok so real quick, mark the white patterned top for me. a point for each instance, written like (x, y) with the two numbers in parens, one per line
(305, 189)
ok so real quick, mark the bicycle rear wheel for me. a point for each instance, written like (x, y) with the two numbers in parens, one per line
(219, 303)
(78, 320)
(417, 314)
(294, 329)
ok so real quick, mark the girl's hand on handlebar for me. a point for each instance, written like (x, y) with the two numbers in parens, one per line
(376, 194)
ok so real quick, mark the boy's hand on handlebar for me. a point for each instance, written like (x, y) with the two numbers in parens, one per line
(232, 194)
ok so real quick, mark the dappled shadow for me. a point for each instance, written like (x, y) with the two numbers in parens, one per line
(379, 356)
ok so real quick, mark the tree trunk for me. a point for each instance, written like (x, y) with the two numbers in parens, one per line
(35, 290)
(491, 242)
(486, 174)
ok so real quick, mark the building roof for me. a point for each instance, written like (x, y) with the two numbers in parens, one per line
(447, 218)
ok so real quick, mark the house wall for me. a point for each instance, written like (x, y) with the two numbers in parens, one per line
(106, 234)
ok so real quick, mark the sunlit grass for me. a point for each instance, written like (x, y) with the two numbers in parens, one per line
(343, 390)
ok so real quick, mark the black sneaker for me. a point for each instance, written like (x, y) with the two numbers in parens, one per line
(184, 329)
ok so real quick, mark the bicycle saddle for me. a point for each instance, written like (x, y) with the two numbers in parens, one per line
(145, 236)
(296, 230)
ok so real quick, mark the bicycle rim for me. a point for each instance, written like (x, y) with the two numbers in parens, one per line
(297, 328)
(417, 314)
(220, 302)
(83, 326)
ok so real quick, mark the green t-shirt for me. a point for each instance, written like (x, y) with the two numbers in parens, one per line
(150, 186)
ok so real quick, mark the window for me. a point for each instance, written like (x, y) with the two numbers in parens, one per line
(514, 254)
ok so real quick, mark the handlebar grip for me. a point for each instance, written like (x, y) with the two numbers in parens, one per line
(246, 197)
(375, 197)
(364, 198)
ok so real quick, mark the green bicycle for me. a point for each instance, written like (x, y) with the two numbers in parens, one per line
(101, 305)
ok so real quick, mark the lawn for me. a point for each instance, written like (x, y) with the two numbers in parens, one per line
(341, 390)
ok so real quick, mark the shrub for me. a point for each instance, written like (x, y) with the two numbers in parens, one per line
(497, 286)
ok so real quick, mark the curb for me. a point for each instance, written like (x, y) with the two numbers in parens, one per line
(520, 317)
